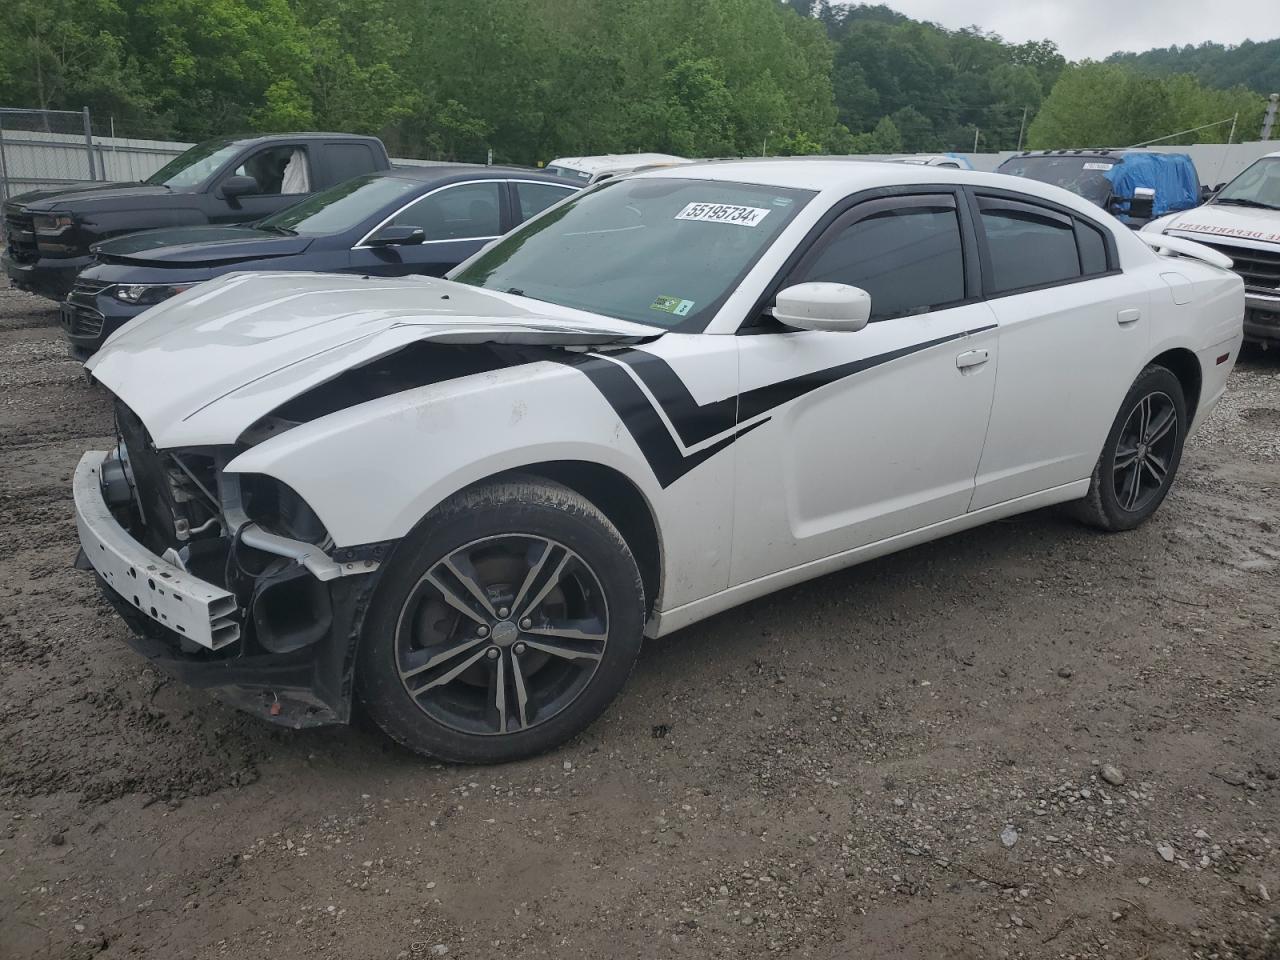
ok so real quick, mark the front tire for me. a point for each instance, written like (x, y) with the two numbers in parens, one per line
(507, 622)
(1141, 455)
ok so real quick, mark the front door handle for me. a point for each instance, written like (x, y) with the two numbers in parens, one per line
(972, 358)
(1128, 316)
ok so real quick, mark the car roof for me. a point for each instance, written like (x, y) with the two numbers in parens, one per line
(1092, 152)
(850, 176)
(611, 161)
(464, 171)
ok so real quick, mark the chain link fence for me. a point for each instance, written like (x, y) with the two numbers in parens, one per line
(48, 148)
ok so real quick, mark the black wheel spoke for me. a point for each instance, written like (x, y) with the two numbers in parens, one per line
(592, 630)
(1162, 425)
(549, 583)
(1125, 458)
(413, 663)
(450, 675)
(456, 599)
(542, 551)
(1133, 485)
(1156, 468)
(569, 649)
(460, 566)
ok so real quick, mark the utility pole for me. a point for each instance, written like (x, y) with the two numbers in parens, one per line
(1269, 120)
(975, 139)
(1022, 127)
(1231, 137)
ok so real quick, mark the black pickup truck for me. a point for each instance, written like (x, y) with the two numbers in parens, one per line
(48, 232)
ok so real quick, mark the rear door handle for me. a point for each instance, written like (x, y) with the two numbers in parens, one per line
(972, 358)
(1128, 316)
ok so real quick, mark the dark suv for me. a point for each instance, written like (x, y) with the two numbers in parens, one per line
(49, 232)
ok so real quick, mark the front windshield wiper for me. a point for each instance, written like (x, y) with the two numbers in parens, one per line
(1245, 202)
(272, 228)
(515, 291)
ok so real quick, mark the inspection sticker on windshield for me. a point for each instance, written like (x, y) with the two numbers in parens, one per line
(723, 213)
(674, 305)
(1098, 166)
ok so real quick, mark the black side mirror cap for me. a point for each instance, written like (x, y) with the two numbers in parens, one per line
(397, 237)
(234, 187)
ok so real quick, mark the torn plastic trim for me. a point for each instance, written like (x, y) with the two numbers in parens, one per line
(247, 532)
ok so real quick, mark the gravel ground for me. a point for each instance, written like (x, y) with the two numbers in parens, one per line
(1029, 740)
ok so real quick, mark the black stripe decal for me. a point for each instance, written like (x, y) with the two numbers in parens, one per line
(692, 421)
(651, 435)
(696, 422)
(762, 399)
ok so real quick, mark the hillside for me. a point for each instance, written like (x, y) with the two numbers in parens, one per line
(1252, 65)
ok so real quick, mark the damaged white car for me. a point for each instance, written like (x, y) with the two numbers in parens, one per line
(465, 501)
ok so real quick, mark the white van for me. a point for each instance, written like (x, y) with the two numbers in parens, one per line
(594, 169)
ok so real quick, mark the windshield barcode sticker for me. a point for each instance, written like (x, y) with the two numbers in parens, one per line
(723, 213)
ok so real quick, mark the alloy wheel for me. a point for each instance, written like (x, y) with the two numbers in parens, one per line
(1145, 450)
(501, 634)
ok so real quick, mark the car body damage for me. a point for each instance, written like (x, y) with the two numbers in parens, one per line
(471, 498)
(195, 382)
(200, 485)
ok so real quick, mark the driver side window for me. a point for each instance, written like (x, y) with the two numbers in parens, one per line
(905, 252)
(278, 170)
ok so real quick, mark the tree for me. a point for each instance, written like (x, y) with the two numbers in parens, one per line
(1108, 105)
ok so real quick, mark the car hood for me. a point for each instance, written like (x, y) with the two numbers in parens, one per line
(199, 246)
(201, 367)
(1241, 226)
(85, 191)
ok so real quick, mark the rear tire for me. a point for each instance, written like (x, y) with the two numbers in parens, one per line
(506, 623)
(1141, 455)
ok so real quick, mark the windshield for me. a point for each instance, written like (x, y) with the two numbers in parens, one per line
(1084, 176)
(340, 208)
(658, 251)
(1258, 185)
(194, 167)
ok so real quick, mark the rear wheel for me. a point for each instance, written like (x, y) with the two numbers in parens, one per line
(1141, 456)
(507, 623)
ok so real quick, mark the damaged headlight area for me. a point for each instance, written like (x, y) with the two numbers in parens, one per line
(230, 579)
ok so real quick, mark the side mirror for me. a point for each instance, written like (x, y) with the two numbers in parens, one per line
(234, 187)
(397, 237)
(1143, 204)
(823, 306)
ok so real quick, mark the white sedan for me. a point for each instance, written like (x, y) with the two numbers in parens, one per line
(465, 501)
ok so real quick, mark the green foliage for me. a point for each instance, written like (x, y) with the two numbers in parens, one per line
(938, 85)
(1109, 105)
(1253, 65)
(530, 80)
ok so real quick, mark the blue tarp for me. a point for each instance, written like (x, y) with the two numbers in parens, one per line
(1171, 175)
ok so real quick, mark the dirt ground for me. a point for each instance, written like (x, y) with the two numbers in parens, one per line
(905, 759)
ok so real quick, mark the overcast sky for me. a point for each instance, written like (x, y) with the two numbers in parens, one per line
(1095, 28)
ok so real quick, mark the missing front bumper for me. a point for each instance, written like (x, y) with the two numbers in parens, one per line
(287, 654)
(194, 609)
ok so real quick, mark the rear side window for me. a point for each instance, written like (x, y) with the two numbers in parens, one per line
(347, 160)
(907, 257)
(1093, 249)
(536, 197)
(1029, 246)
